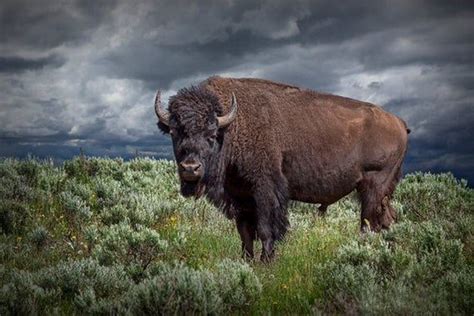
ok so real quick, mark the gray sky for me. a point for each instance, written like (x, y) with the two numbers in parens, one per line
(83, 73)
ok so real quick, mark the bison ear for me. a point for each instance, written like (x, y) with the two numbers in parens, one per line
(163, 127)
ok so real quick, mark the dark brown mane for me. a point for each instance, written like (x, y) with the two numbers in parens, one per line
(192, 103)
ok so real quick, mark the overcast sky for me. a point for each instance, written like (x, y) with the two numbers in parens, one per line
(83, 73)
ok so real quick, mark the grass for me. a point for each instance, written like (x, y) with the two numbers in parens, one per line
(104, 236)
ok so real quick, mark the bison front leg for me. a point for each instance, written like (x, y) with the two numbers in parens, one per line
(267, 239)
(247, 231)
(272, 221)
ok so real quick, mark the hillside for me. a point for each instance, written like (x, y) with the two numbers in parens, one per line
(101, 236)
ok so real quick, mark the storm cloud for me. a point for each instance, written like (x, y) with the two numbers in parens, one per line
(82, 74)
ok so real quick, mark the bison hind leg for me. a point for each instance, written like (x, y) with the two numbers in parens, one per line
(322, 210)
(375, 191)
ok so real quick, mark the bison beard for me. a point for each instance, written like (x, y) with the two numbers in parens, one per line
(195, 189)
(282, 143)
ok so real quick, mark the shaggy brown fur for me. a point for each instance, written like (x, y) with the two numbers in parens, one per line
(286, 144)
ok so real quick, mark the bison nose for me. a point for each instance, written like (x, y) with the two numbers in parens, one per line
(191, 171)
(190, 167)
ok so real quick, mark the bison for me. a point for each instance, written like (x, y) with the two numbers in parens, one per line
(251, 145)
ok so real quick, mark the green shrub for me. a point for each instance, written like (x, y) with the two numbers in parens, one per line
(142, 164)
(177, 290)
(22, 296)
(113, 168)
(82, 286)
(77, 188)
(81, 167)
(14, 186)
(427, 196)
(137, 209)
(182, 290)
(39, 237)
(238, 285)
(453, 292)
(87, 284)
(14, 217)
(146, 209)
(30, 170)
(114, 214)
(109, 192)
(135, 245)
(136, 248)
(395, 272)
(75, 208)
(50, 180)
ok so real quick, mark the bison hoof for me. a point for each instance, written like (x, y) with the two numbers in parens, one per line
(267, 256)
(247, 256)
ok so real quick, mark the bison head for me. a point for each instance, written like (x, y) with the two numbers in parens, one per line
(196, 124)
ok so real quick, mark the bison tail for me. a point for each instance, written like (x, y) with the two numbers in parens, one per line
(406, 126)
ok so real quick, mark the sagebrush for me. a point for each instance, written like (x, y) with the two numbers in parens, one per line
(105, 236)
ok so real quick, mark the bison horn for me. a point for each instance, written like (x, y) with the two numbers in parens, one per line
(229, 117)
(161, 112)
